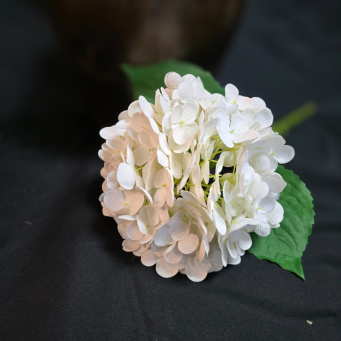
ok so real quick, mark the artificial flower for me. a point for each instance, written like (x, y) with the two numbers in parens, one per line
(189, 178)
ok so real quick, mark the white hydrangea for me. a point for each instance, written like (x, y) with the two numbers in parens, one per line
(170, 210)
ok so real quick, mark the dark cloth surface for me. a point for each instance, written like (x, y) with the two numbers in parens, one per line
(63, 274)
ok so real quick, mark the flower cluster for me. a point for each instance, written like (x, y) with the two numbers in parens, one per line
(188, 179)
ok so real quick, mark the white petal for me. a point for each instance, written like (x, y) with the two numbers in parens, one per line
(126, 176)
(249, 115)
(196, 176)
(163, 213)
(263, 230)
(158, 106)
(247, 136)
(162, 178)
(232, 249)
(174, 256)
(220, 222)
(144, 138)
(203, 265)
(133, 232)
(244, 240)
(220, 164)
(258, 103)
(107, 133)
(133, 108)
(175, 166)
(163, 236)
(215, 190)
(105, 172)
(165, 94)
(201, 252)
(226, 137)
(193, 273)
(140, 122)
(176, 114)
(169, 196)
(152, 215)
(154, 139)
(191, 128)
(275, 182)
(130, 246)
(179, 230)
(189, 244)
(275, 141)
(166, 124)
(141, 155)
(201, 119)
(141, 223)
(231, 92)
(164, 104)
(146, 107)
(124, 124)
(170, 248)
(114, 200)
(242, 223)
(232, 110)
(160, 196)
(215, 255)
(268, 204)
(238, 124)
(159, 250)
(262, 163)
(188, 78)
(139, 252)
(180, 134)
(264, 118)
(198, 88)
(146, 239)
(149, 258)
(117, 143)
(165, 269)
(154, 125)
(276, 215)
(123, 115)
(130, 157)
(135, 200)
(205, 171)
(190, 197)
(127, 217)
(234, 237)
(233, 261)
(239, 250)
(112, 180)
(185, 91)
(162, 158)
(172, 80)
(224, 118)
(164, 144)
(258, 190)
(284, 154)
(244, 102)
(147, 195)
(189, 112)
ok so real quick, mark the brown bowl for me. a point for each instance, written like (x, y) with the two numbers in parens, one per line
(98, 35)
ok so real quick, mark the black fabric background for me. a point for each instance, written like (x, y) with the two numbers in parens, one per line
(66, 277)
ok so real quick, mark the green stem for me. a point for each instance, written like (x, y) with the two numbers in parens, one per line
(284, 125)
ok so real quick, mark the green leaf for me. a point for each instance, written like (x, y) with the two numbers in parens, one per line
(147, 78)
(285, 245)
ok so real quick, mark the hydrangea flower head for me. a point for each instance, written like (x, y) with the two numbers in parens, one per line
(189, 177)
